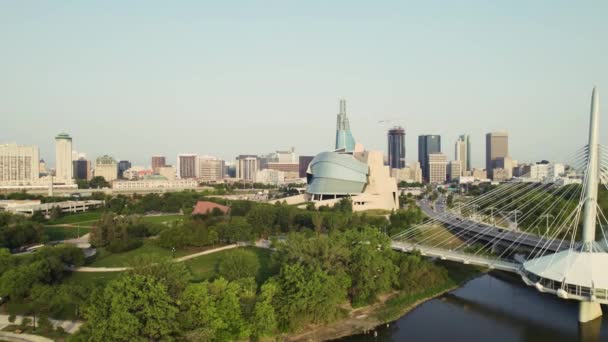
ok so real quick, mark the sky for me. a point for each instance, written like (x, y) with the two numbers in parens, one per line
(134, 79)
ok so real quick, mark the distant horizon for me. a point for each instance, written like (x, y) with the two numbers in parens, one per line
(133, 80)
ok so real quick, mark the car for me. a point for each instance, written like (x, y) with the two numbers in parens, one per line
(3, 300)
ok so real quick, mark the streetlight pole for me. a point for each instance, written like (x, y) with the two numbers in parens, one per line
(492, 214)
(515, 212)
(547, 216)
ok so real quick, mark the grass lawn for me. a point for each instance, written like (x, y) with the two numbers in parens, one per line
(56, 233)
(162, 218)
(89, 216)
(205, 267)
(90, 278)
(150, 250)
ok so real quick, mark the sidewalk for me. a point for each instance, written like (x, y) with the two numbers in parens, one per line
(122, 269)
(69, 326)
(11, 337)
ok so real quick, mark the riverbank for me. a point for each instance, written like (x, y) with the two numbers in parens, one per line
(389, 308)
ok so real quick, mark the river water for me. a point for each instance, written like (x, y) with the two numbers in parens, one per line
(492, 308)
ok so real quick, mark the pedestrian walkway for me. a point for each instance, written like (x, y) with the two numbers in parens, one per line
(122, 269)
(12, 337)
(68, 326)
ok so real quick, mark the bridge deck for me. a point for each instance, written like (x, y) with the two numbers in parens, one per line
(457, 256)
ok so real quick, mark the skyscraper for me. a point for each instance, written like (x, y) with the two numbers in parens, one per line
(427, 144)
(82, 168)
(187, 166)
(123, 166)
(304, 161)
(462, 152)
(19, 164)
(497, 146)
(396, 148)
(437, 168)
(210, 169)
(63, 158)
(344, 137)
(158, 162)
(106, 167)
(246, 167)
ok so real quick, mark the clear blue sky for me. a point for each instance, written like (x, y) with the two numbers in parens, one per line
(137, 78)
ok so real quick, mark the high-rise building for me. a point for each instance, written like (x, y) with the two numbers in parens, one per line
(247, 167)
(411, 173)
(167, 172)
(123, 166)
(427, 144)
(437, 168)
(304, 161)
(396, 148)
(82, 169)
(462, 152)
(344, 137)
(497, 146)
(19, 164)
(187, 166)
(454, 170)
(106, 167)
(63, 159)
(210, 169)
(157, 162)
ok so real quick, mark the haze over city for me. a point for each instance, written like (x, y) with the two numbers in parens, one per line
(143, 78)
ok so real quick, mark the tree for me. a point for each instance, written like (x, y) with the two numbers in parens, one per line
(212, 311)
(371, 268)
(264, 321)
(239, 264)
(307, 295)
(130, 308)
(98, 182)
(261, 218)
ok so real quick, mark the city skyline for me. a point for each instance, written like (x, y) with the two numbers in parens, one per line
(449, 76)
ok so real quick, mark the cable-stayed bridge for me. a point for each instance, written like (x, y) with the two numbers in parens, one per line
(551, 232)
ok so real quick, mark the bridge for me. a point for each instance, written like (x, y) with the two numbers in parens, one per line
(550, 242)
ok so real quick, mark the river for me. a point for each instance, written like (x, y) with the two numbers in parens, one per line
(495, 308)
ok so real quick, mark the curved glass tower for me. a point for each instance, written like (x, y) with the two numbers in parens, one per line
(344, 137)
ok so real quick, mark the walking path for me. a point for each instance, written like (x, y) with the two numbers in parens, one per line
(12, 337)
(69, 326)
(122, 269)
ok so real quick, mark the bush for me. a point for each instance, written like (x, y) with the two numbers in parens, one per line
(12, 317)
(25, 322)
(119, 246)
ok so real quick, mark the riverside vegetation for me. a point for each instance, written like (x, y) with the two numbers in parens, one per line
(325, 262)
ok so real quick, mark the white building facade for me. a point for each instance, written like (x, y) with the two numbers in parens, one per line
(63, 159)
(19, 164)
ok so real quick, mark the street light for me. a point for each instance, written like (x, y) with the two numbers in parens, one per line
(492, 214)
(515, 212)
(547, 216)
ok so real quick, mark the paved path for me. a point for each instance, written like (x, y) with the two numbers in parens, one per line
(69, 326)
(11, 337)
(184, 258)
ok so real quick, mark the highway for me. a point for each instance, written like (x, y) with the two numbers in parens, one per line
(506, 238)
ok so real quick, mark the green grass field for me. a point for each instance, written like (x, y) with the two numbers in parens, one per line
(88, 217)
(91, 278)
(162, 218)
(205, 267)
(150, 251)
(56, 233)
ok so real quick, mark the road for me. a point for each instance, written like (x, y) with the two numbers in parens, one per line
(485, 232)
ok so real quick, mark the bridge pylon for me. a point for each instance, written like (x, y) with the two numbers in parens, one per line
(579, 273)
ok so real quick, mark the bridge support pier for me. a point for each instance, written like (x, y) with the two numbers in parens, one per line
(588, 311)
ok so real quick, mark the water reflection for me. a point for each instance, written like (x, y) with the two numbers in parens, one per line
(493, 307)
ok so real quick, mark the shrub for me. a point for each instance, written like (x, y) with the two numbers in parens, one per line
(119, 246)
